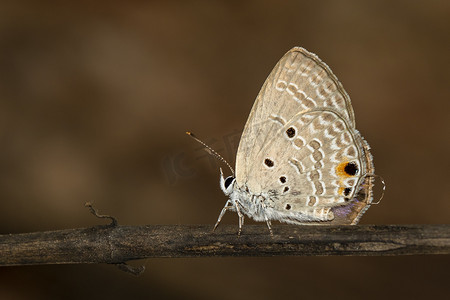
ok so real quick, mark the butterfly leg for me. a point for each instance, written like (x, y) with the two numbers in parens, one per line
(227, 206)
(241, 217)
(269, 225)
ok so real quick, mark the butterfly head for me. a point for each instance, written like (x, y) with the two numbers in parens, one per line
(226, 184)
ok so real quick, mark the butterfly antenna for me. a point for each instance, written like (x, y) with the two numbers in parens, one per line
(211, 151)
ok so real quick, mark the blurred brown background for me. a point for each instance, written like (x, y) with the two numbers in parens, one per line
(95, 99)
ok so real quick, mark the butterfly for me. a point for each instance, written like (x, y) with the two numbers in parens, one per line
(300, 159)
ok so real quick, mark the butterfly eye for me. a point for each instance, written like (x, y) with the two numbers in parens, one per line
(229, 181)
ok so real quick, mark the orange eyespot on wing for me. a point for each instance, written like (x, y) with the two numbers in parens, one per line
(347, 169)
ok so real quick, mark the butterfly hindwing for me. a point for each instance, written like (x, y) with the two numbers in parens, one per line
(312, 164)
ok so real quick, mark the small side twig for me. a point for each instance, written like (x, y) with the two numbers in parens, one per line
(113, 223)
(136, 271)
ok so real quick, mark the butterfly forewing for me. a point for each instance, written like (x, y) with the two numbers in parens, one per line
(299, 82)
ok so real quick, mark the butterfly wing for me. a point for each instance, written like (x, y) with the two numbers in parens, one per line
(314, 170)
(300, 81)
(300, 146)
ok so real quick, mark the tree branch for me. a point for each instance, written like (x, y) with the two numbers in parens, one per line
(118, 244)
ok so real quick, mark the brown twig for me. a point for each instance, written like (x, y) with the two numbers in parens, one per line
(118, 244)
